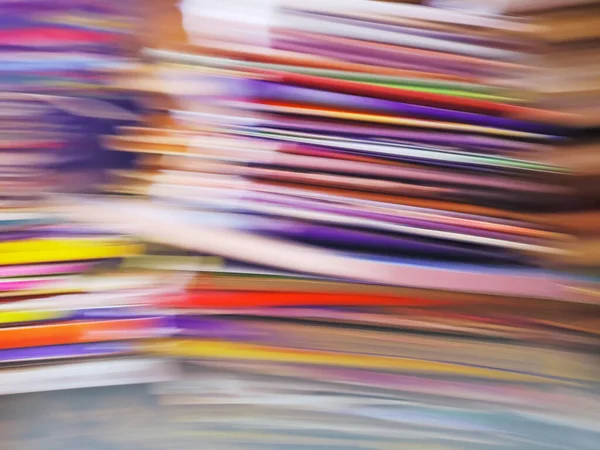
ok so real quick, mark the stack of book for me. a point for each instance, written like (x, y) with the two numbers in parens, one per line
(383, 192)
(565, 68)
(67, 46)
(68, 319)
(66, 54)
(566, 80)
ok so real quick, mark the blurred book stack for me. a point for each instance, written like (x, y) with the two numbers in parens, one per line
(388, 196)
(66, 54)
(65, 308)
(65, 46)
(566, 80)
(68, 319)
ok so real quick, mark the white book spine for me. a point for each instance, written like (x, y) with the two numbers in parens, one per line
(76, 375)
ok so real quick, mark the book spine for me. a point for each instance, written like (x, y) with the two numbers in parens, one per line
(79, 332)
(76, 375)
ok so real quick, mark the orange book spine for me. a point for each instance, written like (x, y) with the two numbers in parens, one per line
(77, 332)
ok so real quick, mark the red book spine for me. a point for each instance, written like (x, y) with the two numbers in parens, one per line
(246, 299)
(384, 92)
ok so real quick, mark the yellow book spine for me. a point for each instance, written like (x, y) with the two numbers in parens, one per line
(250, 352)
(72, 251)
(7, 317)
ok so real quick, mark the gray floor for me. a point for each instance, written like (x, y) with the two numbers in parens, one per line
(112, 418)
